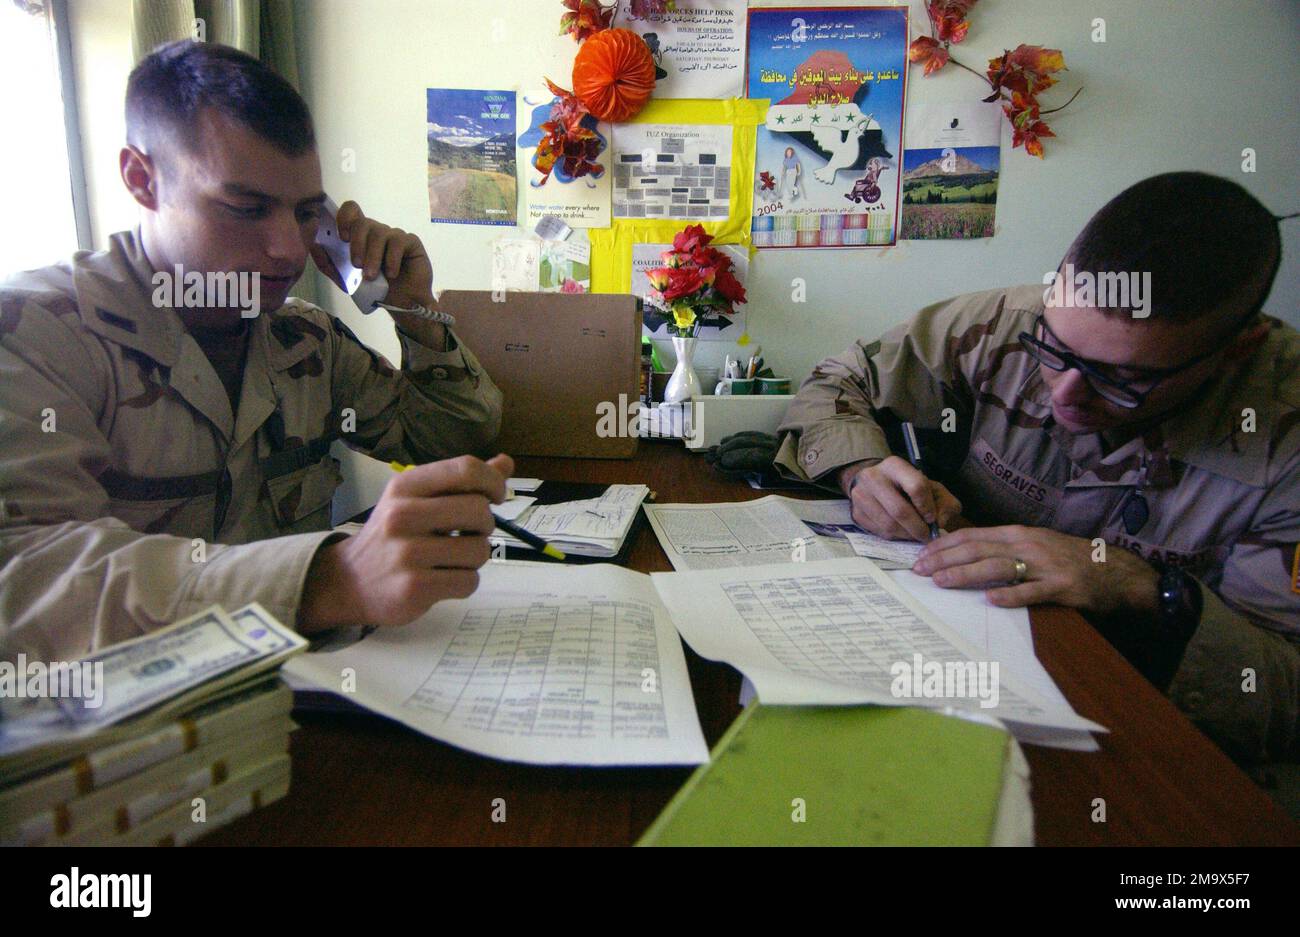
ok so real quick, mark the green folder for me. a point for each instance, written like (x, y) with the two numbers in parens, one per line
(859, 776)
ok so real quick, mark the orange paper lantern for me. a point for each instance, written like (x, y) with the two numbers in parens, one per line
(614, 74)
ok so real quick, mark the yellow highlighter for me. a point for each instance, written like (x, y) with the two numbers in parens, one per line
(527, 536)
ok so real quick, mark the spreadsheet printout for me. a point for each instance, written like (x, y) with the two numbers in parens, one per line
(742, 533)
(543, 664)
(831, 633)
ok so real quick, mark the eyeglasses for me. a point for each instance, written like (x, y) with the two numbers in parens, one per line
(1124, 393)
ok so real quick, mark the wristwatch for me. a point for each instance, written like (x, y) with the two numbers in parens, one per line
(1179, 598)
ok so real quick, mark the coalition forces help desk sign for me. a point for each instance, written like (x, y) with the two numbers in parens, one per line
(827, 167)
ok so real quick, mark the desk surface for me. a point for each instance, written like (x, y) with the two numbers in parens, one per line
(362, 781)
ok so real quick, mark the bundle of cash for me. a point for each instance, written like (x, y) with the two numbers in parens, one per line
(155, 740)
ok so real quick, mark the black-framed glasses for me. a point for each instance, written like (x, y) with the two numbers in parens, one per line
(1124, 393)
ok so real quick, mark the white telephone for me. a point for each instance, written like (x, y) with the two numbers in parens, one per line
(365, 293)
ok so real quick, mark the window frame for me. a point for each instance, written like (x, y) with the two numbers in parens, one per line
(57, 11)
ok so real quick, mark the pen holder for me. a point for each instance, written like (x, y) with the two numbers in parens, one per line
(735, 386)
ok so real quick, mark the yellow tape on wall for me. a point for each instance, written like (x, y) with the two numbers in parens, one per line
(611, 248)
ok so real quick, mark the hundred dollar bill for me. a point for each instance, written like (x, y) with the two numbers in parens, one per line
(156, 674)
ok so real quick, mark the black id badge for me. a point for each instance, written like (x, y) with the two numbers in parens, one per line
(1136, 513)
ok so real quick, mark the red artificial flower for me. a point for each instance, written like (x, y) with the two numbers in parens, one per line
(580, 152)
(929, 51)
(697, 275)
(688, 250)
(693, 237)
(707, 257)
(729, 287)
(682, 282)
(658, 278)
(584, 18)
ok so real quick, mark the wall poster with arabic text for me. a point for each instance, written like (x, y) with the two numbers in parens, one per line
(828, 160)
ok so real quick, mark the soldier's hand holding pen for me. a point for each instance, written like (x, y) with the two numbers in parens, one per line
(424, 542)
(892, 499)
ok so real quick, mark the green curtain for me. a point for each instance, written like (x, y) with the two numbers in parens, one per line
(262, 28)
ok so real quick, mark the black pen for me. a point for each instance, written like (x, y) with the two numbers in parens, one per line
(527, 536)
(914, 456)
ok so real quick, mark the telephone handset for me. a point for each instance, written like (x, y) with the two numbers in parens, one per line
(369, 295)
(349, 278)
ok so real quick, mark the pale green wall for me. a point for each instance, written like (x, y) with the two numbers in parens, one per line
(1177, 85)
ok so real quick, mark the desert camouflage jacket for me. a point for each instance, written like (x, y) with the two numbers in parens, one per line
(131, 495)
(1221, 480)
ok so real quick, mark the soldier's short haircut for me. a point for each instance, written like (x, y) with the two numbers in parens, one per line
(173, 84)
(1204, 239)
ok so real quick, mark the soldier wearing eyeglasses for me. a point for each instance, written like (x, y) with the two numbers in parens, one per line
(1137, 464)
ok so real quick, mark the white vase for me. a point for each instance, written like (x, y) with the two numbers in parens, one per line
(684, 383)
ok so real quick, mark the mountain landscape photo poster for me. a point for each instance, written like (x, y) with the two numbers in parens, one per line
(471, 149)
(950, 192)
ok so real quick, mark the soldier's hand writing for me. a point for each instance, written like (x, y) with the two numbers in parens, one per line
(423, 543)
(892, 499)
(1058, 568)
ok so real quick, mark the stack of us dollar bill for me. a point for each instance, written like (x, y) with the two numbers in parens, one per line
(156, 740)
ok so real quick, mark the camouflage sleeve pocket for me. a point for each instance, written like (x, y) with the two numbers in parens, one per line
(301, 499)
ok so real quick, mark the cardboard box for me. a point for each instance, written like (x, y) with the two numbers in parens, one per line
(562, 361)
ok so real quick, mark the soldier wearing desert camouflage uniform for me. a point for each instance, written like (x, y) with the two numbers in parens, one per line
(1173, 437)
(156, 460)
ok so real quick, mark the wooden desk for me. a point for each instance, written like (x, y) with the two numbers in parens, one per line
(359, 780)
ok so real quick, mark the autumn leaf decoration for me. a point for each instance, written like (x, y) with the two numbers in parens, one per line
(1016, 77)
(646, 9)
(585, 17)
(570, 144)
(613, 77)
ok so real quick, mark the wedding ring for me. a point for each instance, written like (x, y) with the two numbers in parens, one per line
(1022, 571)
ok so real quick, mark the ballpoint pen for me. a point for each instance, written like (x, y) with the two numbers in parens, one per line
(914, 456)
(527, 536)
